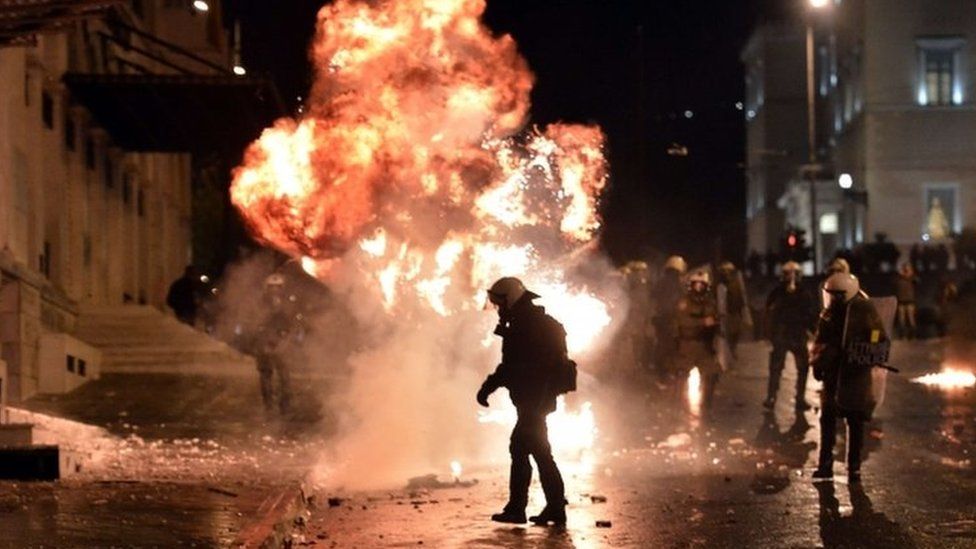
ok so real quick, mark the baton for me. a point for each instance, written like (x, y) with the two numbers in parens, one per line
(889, 368)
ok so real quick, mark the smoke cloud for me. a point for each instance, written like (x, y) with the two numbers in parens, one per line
(408, 187)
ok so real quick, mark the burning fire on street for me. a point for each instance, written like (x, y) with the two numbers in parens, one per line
(409, 185)
(694, 392)
(949, 378)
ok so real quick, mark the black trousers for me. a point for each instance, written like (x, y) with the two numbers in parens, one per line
(531, 438)
(777, 361)
(268, 365)
(829, 415)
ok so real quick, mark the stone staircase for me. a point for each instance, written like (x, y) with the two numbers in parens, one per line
(141, 339)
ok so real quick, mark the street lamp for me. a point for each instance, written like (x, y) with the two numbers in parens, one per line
(812, 130)
(201, 6)
(845, 181)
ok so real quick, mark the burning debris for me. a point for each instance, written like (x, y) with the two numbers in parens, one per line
(950, 378)
(407, 186)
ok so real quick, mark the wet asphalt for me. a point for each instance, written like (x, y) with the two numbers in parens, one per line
(738, 477)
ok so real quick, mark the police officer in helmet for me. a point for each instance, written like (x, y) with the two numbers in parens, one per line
(850, 341)
(533, 344)
(791, 313)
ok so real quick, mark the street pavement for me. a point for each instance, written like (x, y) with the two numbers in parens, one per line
(662, 477)
(167, 461)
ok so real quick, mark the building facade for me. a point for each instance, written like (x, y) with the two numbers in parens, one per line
(894, 87)
(83, 220)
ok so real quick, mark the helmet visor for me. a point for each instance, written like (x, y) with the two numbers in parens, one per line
(497, 300)
(831, 299)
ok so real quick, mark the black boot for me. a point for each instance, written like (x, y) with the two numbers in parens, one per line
(555, 515)
(509, 516)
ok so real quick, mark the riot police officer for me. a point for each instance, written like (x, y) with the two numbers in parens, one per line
(533, 345)
(791, 313)
(697, 327)
(850, 341)
(667, 291)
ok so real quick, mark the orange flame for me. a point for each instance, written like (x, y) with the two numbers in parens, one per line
(407, 165)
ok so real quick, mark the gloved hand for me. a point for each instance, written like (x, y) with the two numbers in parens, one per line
(482, 397)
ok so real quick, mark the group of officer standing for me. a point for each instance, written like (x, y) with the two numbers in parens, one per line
(838, 334)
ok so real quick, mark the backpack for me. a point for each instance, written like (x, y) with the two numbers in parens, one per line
(563, 368)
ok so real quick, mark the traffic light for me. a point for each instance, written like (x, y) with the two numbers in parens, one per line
(794, 246)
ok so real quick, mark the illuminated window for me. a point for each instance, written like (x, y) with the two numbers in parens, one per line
(829, 223)
(47, 110)
(940, 75)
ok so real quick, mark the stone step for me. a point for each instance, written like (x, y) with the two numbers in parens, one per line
(141, 339)
(169, 359)
(228, 368)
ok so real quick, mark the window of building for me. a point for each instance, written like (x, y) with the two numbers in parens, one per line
(755, 93)
(109, 173)
(829, 223)
(47, 110)
(90, 153)
(45, 259)
(940, 74)
(86, 249)
(127, 187)
(823, 54)
(70, 362)
(69, 131)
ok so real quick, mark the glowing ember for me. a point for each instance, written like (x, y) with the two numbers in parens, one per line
(948, 379)
(694, 391)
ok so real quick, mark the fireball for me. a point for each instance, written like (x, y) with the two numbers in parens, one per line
(413, 178)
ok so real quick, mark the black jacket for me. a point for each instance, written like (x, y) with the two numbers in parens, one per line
(533, 343)
(789, 315)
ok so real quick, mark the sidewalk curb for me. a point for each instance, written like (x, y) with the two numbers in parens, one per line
(274, 519)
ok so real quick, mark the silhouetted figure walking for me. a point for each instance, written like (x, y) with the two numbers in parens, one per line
(273, 338)
(667, 293)
(182, 296)
(535, 369)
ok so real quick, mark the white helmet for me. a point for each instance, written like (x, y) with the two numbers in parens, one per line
(677, 263)
(699, 276)
(840, 286)
(839, 265)
(506, 291)
(791, 267)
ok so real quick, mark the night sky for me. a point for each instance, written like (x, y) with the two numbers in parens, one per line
(588, 57)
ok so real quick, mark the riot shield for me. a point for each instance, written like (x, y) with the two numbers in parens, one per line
(886, 307)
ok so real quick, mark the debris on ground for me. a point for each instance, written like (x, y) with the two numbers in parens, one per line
(431, 482)
(676, 440)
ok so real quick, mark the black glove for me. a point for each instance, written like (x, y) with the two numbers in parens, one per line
(482, 397)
